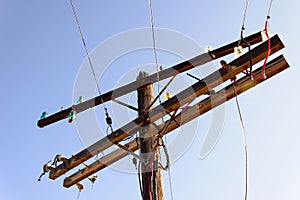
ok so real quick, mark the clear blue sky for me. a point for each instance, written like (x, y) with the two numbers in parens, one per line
(40, 56)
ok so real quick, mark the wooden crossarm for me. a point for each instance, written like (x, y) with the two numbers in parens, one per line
(274, 67)
(188, 95)
(169, 72)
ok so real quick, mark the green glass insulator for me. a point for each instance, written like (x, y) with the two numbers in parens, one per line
(79, 100)
(44, 115)
(72, 116)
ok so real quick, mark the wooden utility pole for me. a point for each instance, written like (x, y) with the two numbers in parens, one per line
(151, 174)
(201, 107)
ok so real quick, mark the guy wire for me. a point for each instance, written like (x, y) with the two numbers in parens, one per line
(154, 46)
(87, 52)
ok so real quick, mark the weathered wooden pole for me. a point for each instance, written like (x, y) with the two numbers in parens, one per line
(151, 174)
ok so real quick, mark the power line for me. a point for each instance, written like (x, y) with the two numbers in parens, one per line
(154, 46)
(169, 175)
(108, 119)
(270, 7)
(86, 49)
(233, 80)
(244, 141)
(242, 39)
(245, 14)
(268, 37)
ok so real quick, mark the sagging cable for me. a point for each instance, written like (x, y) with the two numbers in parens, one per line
(72, 116)
(167, 166)
(244, 142)
(139, 179)
(243, 132)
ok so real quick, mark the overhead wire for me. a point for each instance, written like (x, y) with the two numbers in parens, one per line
(168, 165)
(237, 102)
(78, 196)
(153, 171)
(108, 119)
(266, 32)
(154, 47)
(157, 76)
(151, 192)
(245, 14)
(244, 21)
(233, 80)
(139, 178)
(242, 39)
(270, 7)
(158, 86)
(268, 52)
(244, 141)
(269, 40)
(169, 172)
